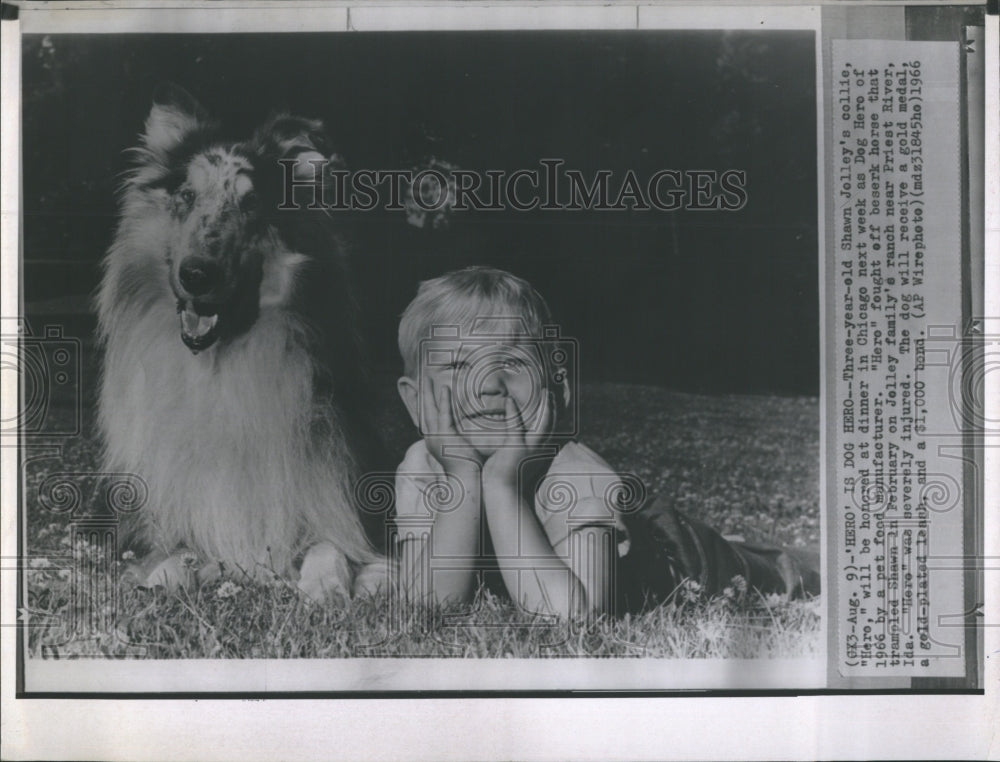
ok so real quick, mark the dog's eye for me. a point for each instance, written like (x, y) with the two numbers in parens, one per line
(187, 196)
(249, 202)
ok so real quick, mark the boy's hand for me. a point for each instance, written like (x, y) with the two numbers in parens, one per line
(440, 432)
(519, 442)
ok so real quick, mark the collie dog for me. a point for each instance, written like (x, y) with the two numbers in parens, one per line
(232, 382)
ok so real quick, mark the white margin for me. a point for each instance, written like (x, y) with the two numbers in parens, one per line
(991, 391)
(10, 224)
(182, 16)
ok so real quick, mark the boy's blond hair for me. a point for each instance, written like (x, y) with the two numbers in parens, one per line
(478, 300)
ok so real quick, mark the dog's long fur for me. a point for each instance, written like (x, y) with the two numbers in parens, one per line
(249, 446)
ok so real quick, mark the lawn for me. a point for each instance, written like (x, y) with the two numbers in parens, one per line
(747, 465)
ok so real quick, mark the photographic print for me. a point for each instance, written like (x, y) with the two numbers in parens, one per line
(222, 233)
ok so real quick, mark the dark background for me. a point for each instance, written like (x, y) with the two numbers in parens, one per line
(699, 301)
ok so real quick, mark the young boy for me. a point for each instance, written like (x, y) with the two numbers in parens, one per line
(497, 480)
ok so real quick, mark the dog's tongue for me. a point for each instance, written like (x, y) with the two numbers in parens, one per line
(196, 326)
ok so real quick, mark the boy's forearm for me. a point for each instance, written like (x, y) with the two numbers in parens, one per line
(521, 545)
(454, 534)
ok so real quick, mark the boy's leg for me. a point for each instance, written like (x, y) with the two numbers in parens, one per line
(669, 546)
(802, 569)
(797, 567)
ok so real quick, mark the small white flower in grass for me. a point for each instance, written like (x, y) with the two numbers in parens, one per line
(773, 600)
(128, 555)
(63, 574)
(740, 583)
(690, 591)
(39, 563)
(228, 589)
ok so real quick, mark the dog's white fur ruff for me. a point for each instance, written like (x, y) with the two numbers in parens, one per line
(225, 440)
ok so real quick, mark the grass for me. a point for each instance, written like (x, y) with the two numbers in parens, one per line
(231, 620)
(746, 465)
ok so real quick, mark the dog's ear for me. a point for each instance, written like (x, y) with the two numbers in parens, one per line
(175, 115)
(294, 137)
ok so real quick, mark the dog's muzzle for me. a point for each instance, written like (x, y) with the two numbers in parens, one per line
(199, 277)
(198, 331)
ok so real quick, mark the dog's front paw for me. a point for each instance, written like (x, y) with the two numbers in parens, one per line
(372, 578)
(324, 573)
(173, 572)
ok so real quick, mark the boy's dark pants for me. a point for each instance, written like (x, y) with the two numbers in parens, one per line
(668, 547)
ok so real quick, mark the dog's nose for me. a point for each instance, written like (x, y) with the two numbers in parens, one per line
(199, 275)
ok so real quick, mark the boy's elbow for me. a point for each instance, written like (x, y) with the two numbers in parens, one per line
(594, 604)
(584, 604)
(592, 595)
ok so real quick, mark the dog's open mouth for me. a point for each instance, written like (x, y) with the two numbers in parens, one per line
(199, 325)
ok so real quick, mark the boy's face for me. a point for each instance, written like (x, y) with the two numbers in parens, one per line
(482, 375)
